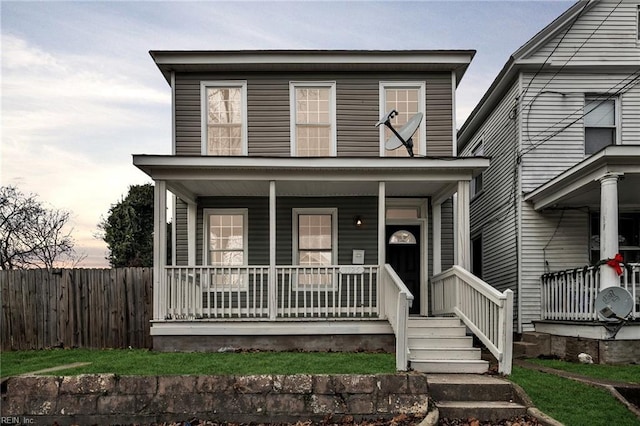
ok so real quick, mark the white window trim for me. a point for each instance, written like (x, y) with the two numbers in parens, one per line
(334, 242)
(422, 107)
(331, 85)
(245, 232)
(203, 110)
(617, 117)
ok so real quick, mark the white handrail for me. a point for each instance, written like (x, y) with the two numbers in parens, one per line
(398, 313)
(487, 312)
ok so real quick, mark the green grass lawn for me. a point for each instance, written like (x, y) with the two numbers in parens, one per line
(621, 373)
(571, 402)
(144, 362)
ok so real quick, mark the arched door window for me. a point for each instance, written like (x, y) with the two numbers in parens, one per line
(402, 237)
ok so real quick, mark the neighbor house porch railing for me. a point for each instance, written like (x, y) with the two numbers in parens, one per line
(570, 295)
(247, 293)
(484, 310)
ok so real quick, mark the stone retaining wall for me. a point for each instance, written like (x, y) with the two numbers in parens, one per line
(110, 399)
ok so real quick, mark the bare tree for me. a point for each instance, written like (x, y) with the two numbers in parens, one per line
(32, 235)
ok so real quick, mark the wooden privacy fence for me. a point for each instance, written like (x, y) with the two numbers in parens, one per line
(90, 308)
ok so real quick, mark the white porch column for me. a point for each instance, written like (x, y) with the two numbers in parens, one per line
(382, 243)
(608, 228)
(437, 238)
(463, 233)
(159, 249)
(273, 290)
(192, 214)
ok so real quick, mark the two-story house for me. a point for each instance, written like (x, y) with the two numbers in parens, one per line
(297, 228)
(561, 124)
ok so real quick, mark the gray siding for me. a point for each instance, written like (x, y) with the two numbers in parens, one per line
(607, 32)
(493, 211)
(180, 219)
(349, 237)
(357, 111)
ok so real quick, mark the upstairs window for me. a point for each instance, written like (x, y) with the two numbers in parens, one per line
(476, 182)
(224, 117)
(599, 123)
(313, 119)
(408, 98)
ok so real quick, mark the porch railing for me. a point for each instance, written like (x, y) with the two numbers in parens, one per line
(570, 295)
(484, 310)
(398, 301)
(245, 292)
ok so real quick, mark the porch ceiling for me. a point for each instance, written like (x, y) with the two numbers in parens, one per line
(579, 186)
(193, 177)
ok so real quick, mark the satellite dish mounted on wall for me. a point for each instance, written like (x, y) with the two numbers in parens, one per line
(614, 304)
(404, 135)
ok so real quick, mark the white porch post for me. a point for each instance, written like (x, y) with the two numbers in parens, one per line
(159, 249)
(608, 228)
(273, 290)
(382, 256)
(437, 238)
(463, 233)
(192, 214)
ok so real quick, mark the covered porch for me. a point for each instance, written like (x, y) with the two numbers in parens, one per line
(605, 185)
(360, 292)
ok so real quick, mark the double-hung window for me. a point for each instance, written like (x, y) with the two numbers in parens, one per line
(315, 247)
(408, 98)
(313, 119)
(476, 182)
(599, 123)
(224, 117)
(226, 245)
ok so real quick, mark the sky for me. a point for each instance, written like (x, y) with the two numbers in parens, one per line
(80, 93)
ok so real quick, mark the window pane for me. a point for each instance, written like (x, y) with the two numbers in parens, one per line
(599, 113)
(224, 121)
(226, 239)
(315, 258)
(597, 138)
(402, 237)
(406, 102)
(313, 122)
(314, 232)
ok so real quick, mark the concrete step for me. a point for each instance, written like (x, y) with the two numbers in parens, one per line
(486, 398)
(444, 353)
(526, 350)
(493, 411)
(450, 366)
(456, 331)
(440, 342)
(470, 387)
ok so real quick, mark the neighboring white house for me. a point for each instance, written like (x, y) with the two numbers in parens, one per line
(296, 228)
(561, 125)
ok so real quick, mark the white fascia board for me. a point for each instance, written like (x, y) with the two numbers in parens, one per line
(286, 168)
(266, 57)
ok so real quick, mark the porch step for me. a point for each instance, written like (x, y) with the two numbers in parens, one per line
(486, 398)
(445, 353)
(454, 366)
(532, 345)
(440, 345)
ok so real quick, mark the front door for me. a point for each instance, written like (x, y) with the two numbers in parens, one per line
(403, 254)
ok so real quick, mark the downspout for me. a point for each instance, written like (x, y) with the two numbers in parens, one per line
(517, 197)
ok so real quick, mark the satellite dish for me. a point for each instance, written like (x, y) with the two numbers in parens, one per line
(613, 304)
(404, 135)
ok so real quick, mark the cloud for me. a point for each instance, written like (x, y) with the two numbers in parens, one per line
(68, 131)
